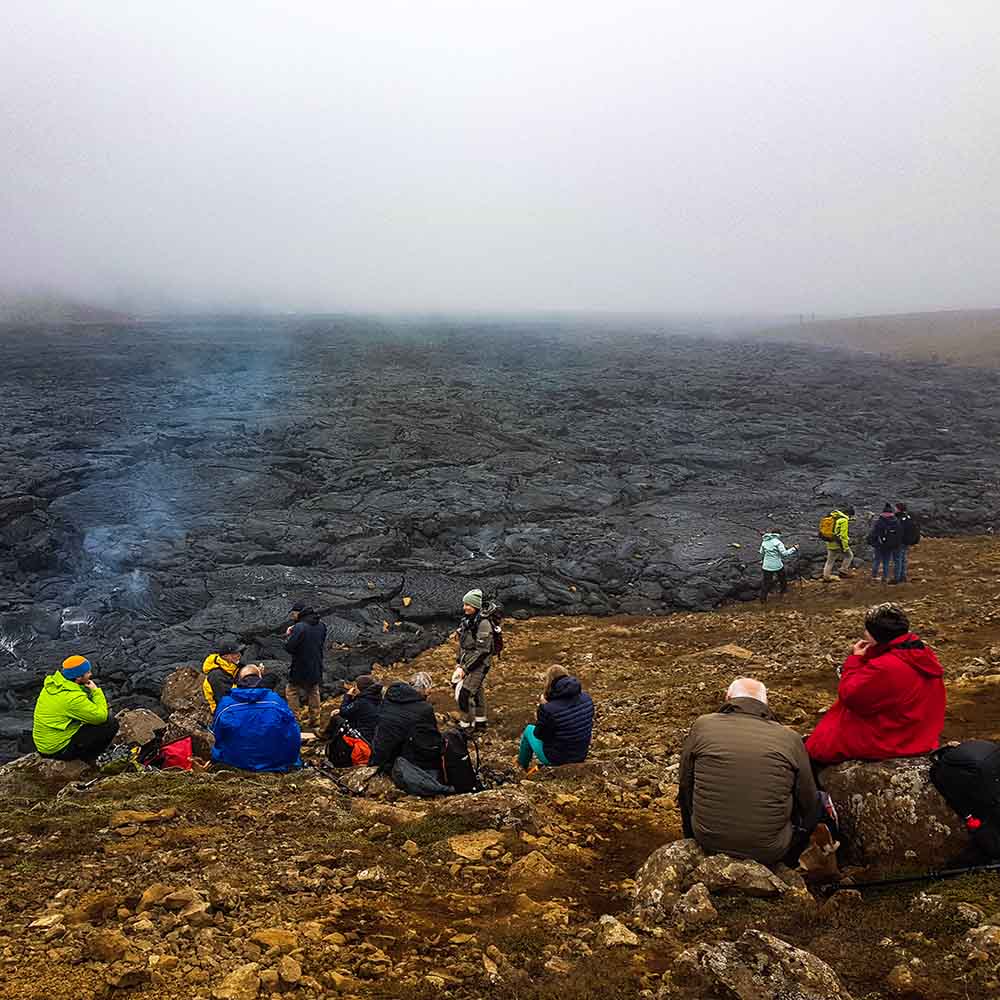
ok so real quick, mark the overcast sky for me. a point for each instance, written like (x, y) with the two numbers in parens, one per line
(517, 155)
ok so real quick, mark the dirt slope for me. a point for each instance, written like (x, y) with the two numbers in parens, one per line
(309, 894)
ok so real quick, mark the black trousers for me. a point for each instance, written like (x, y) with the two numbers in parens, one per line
(768, 579)
(88, 741)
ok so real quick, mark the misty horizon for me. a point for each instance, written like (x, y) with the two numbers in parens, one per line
(565, 159)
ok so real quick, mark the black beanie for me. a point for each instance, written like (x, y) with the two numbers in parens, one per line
(887, 509)
(886, 622)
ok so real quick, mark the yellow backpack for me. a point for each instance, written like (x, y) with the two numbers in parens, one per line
(827, 526)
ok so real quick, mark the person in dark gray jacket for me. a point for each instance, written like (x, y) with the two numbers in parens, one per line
(746, 786)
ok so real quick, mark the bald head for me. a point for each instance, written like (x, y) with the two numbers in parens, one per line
(747, 687)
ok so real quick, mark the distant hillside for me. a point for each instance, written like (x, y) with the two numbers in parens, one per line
(48, 309)
(966, 336)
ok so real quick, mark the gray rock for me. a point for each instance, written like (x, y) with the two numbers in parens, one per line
(720, 873)
(891, 816)
(138, 725)
(755, 967)
(695, 907)
(665, 872)
(499, 808)
(183, 694)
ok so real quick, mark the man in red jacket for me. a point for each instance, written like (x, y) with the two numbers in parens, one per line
(891, 698)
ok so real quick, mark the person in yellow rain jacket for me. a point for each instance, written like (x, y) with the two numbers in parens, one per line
(220, 669)
(71, 719)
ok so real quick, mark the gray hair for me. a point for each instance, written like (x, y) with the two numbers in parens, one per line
(747, 687)
(421, 681)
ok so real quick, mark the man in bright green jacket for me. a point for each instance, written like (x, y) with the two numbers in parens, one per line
(839, 545)
(71, 714)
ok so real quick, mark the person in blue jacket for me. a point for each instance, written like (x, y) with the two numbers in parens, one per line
(564, 726)
(254, 728)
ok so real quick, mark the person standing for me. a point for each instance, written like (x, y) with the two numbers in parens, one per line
(774, 554)
(885, 539)
(839, 545)
(71, 720)
(911, 536)
(305, 639)
(475, 653)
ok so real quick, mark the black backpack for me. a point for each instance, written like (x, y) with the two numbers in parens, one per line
(493, 613)
(968, 777)
(887, 534)
(457, 769)
(911, 528)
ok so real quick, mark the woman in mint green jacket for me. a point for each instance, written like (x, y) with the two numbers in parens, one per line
(774, 554)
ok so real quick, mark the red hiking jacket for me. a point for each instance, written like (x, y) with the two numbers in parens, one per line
(890, 703)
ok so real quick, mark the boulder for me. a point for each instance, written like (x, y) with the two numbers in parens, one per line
(138, 725)
(891, 816)
(757, 965)
(33, 773)
(721, 873)
(612, 933)
(183, 692)
(695, 907)
(243, 983)
(665, 872)
(499, 808)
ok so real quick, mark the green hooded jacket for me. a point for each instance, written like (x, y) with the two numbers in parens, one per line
(841, 539)
(62, 708)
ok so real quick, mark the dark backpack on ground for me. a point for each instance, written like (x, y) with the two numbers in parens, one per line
(968, 776)
(886, 534)
(416, 781)
(347, 747)
(457, 769)
(911, 528)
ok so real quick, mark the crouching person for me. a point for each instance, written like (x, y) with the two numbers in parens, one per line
(564, 726)
(254, 728)
(407, 727)
(746, 787)
(71, 720)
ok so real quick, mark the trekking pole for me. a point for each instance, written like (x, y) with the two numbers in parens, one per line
(905, 879)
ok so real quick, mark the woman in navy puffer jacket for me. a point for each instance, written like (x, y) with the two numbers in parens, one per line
(565, 724)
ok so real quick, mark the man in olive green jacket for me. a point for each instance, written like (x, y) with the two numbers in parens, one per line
(746, 786)
(71, 714)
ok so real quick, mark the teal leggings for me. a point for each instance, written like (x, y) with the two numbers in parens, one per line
(530, 744)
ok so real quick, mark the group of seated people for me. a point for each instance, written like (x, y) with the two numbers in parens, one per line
(747, 785)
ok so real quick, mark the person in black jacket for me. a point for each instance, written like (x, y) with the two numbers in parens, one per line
(565, 724)
(361, 704)
(305, 639)
(407, 727)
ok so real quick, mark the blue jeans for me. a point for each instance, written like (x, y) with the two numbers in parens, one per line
(881, 558)
(901, 561)
(530, 745)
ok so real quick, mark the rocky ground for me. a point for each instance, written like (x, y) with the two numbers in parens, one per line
(169, 483)
(228, 887)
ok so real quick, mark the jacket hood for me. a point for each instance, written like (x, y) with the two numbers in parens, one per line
(768, 535)
(566, 687)
(54, 683)
(250, 695)
(746, 706)
(887, 514)
(215, 662)
(308, 617)
(371, 693)
(403, 693)
(911, 649)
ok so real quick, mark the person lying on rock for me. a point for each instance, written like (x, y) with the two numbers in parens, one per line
(361, 704)
(220, 668)
(71, 715)
(564, 725)
(254, 728)
(305, 639)
(891, 697)
(407, 727)
(745, 786)
(475, 652)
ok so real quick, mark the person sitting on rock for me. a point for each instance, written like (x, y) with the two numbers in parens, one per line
(305, 639)
(407, 727)
(564, 726)
(891, 697)
(220, 669)
(254, 728)
(746, 786)
(475, 652)
(71, 720)
(361, 704)
(773, 556)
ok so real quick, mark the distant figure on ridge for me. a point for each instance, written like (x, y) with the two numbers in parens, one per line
(891, 696)
(564, 726)
(746, 787)
(305, 639)
(886, 539)
(361, 704)
(835, 530)
(255, 730)
(220, 669)
(407, 727)
(475, 657)
(71, 715)
(911, 537)
(774, 554)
